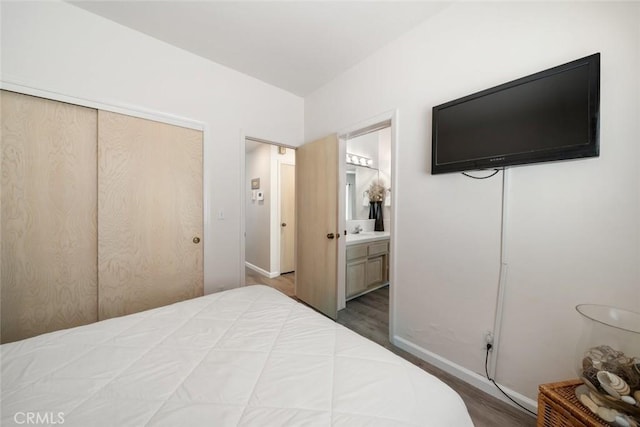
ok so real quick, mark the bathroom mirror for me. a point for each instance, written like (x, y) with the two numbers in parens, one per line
(359, 178)
(368, 159)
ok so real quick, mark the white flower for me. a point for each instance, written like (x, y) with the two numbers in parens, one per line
(377, 191)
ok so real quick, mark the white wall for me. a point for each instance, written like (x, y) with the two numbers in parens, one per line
(57, 47)
(258, 212)
(366, 146)
(573, 233)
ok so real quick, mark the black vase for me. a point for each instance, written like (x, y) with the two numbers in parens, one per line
(375, 212)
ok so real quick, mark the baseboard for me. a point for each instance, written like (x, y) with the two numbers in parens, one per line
(261, 271)
(466, 375)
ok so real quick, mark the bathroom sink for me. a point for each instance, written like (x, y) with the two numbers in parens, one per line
(367, 236)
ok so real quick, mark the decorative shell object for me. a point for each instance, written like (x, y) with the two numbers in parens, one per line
(613, 384)
(608, 362)
(586, 401)
(621, 421)
(609, 415)
(596, 399)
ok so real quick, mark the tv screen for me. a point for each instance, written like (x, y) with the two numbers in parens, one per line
(550, 115)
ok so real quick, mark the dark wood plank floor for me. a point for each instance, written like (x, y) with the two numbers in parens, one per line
(368, 315)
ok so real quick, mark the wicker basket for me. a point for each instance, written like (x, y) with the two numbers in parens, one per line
(558, 406)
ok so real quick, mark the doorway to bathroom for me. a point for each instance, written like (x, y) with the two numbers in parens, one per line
(368, 211)
(269, 212)
(368, 258)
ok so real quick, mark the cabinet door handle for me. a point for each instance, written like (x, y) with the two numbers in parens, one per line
(284, 224)
(330, 236)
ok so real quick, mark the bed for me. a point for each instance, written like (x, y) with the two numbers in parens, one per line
(248, 356)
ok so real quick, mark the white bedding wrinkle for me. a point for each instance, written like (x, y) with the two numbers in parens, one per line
(245, 357)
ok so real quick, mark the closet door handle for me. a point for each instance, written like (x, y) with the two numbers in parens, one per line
(284, 224)
(196, 240)
(330, 236)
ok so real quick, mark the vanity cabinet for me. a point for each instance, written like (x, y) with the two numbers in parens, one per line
(367, 267)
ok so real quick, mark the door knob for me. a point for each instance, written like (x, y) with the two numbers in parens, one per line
(330, 236)
(284, 224)
(196, 240)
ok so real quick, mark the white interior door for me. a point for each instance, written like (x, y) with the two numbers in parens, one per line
(317, 224)
(287, 217)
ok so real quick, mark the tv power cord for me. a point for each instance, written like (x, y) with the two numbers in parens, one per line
(495, 171)
(486, 370)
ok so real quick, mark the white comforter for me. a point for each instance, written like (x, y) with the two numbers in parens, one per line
(248, 356)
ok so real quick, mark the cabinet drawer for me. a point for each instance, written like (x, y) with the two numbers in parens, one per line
(356, 251)
(378, 248)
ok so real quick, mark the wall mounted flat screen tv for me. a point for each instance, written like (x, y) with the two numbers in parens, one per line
(550, 115)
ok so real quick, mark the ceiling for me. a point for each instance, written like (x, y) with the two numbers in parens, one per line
(296, 45)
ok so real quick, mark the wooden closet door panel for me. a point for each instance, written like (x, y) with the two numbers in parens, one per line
(149, 212)
(48, 216)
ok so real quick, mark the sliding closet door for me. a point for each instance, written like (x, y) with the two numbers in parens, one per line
(149, 214)
(48, 216)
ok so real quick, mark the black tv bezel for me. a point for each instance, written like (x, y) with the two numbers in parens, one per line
(591, 149)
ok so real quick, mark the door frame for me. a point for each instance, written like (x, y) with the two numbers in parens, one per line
(243, 230)
(380, 121)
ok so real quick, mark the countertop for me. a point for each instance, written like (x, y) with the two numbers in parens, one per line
(366, 237)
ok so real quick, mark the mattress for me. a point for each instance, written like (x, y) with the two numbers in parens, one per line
(244, 357)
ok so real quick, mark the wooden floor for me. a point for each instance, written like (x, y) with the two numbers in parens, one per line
(368, 315)
(285, 283)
